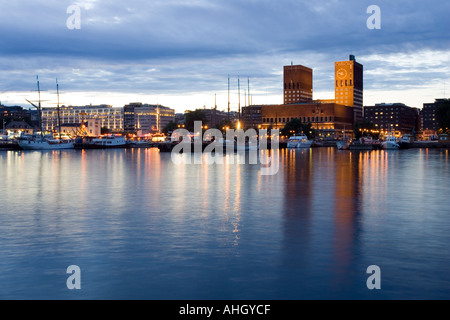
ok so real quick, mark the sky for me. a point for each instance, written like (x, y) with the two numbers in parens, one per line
(179, 53)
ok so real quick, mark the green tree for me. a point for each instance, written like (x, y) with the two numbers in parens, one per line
(193, 116)
(443, 116)
(295, 126)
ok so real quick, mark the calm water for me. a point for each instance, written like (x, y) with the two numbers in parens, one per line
(140, 227)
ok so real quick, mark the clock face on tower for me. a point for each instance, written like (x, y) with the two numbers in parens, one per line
(341, 73)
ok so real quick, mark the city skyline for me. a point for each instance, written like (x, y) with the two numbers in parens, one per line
(179, 54)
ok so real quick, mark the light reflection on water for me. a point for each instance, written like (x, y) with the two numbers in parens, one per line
(141, 227)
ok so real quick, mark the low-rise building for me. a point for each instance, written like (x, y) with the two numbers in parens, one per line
(18, 127)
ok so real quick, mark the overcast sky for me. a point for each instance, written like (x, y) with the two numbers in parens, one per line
(179, 53)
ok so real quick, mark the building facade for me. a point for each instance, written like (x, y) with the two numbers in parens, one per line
(349, 85)
(252, 117)
(393, 118)
(15, 113)
(298, 84)
(429, 118)
(330, 119)
(18, 127)
(215, 117)
(143, 119)
(108, 117)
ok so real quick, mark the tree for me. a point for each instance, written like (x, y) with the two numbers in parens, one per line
(223, 125)
(295, 126)
(443, 116)
(365, 126)
(193, 116)
(171, 127)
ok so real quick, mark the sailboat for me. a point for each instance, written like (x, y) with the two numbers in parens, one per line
(343, 144)
(43, 143)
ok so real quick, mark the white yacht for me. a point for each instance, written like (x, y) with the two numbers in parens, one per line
(300, 141)
(390, 143)
(108, 142)
(43, 144)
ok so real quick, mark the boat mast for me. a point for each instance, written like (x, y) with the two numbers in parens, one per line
(249, 104)
(239, 94)
(58, 109)
(39, 107)
(228, 97)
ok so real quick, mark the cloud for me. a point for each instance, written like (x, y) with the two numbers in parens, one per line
(174, 47)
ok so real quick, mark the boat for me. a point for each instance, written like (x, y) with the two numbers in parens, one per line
(406, 141)
(46, 144)
(41, 142)
(140, 144)
(343, 145)
(390, 143)
(104, 142)
(365, 143)
(7, 144)
(300, 141)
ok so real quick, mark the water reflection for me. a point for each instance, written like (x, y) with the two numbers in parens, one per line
(144, 227)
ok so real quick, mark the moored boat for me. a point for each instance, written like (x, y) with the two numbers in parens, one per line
(300, 141)
(390, 143)
(406, 141)
(44, 144)
(104, 142)
(343, 145)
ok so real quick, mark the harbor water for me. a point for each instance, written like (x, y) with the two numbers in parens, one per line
(140, 226)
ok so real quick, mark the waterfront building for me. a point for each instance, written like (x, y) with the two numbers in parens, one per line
(298, 84)
(109, 117)
(18, 127)
(89, 128)
(394, 118)
(429, 120)
(349, 85)
(330, 119)
(214, 117)
(252, 117)
(15, 113)
(143, 119)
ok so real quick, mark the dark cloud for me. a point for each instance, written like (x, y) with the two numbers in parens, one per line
(189, 46)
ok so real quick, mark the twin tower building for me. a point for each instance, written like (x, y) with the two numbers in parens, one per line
(330, 117)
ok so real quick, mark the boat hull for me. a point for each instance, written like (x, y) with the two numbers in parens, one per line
(98, 147)
(343, 145)
(390, 146)
(37, 145)
(301, 145)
